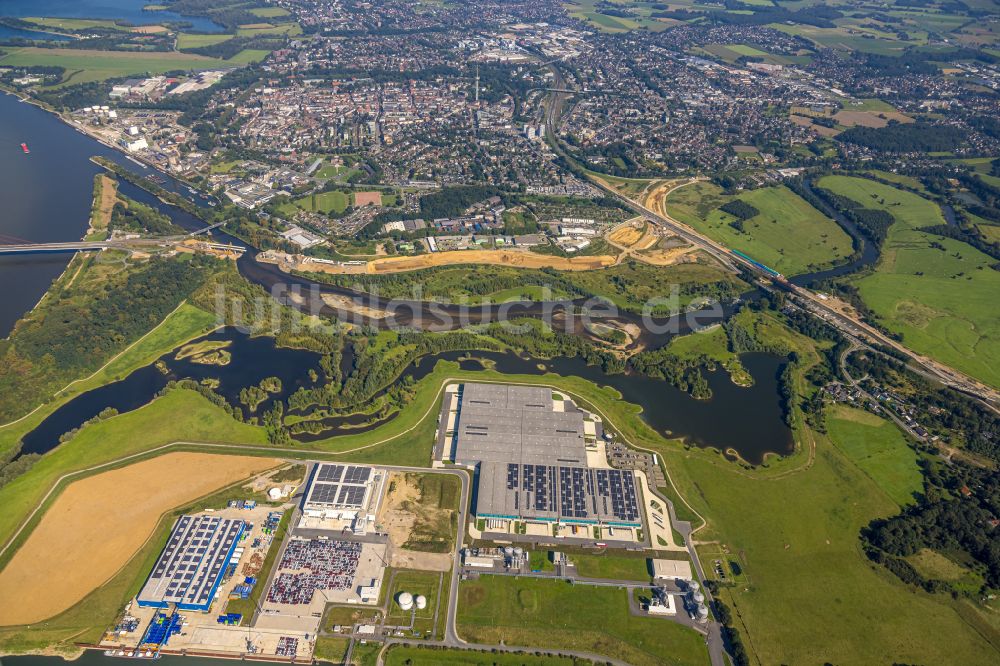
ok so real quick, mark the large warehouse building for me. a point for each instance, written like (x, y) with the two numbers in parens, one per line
(190, 568)
(530, 451)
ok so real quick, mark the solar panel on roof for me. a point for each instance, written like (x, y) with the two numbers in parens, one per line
(355, 474)
(329, 472)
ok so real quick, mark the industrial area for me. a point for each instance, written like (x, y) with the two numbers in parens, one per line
(268, 580)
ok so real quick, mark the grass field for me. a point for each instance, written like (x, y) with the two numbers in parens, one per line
(941, 298)
(713, 344)
(787, 234)
(879, 449)
(611, 565)
(798, 537)
(324, 202)
(194, 41)
(555, 614)
(83, 66)
(795, 522)
(401, 655)
(425, 583)
(184, 324)
(98, 523)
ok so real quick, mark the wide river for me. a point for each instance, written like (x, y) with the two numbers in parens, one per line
(126, 10)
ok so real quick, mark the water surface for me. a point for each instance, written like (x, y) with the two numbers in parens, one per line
(127, 10)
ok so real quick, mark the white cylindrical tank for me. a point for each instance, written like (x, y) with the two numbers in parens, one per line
(421, 601)
(702, 612)
(694, 586)
(519, 551)
(698, 598)
(405, 600)
(508, 551)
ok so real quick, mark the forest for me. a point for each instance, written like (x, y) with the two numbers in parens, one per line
(918, 137)
(77, 330)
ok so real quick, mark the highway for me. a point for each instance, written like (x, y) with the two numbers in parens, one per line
(811, 301)
(94, 246)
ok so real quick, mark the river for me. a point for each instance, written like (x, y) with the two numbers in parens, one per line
(752, 426)
(46, 197)
(126, 10)
(50, 192)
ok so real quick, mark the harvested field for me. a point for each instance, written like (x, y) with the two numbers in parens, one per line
(98, 523)
(515, 258)
(367, 199)
(803, 121)
(150, 29)
(870, 118)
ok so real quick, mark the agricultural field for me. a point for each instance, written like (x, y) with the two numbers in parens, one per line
(938, 293)
(98, 523)
(733, 52)
(879, 449)
(83, 66)
(521, 611)
(787, 234)
(195, 41)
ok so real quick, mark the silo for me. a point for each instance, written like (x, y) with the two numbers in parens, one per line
(421, 602)
(698, 598)
(702, 612)
(405, 600)
(694, 586)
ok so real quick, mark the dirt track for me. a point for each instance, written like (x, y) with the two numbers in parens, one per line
(98, 523)
(515, 258)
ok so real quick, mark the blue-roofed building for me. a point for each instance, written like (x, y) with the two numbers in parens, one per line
(190, 569)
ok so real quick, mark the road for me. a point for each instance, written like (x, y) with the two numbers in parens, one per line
(811, 300)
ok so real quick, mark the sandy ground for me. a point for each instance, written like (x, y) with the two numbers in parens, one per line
(626, 235)
(396, 519)
(515, 258)
(98, 523)
(367, 199)
(109, 193)
(150, 29)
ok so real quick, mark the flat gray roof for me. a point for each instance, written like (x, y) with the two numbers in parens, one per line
(533, 460)
(499, 423)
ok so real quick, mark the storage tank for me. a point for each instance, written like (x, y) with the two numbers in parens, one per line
(421, 602)
(694, 586)
(405, 600)
(508, 551)
(702, 613)
(519, 551)
(698, 598)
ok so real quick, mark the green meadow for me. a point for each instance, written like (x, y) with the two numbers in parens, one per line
(556, 614)
(83, 66)
(787, 234)
(879, 449)
(939, 294)
(812, 596)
